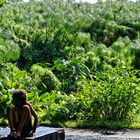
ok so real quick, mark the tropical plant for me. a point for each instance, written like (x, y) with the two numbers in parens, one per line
(76, 60)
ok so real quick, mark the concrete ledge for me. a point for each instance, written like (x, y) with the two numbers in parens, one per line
(42, 133)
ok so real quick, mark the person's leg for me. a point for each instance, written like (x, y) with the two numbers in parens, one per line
(24, 120)
(11, 118)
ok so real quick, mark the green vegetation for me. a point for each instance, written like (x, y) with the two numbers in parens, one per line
(79, 62)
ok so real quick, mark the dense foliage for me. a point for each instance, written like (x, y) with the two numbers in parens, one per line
(77, 61)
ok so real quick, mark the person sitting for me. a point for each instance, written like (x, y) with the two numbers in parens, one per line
(20, 116)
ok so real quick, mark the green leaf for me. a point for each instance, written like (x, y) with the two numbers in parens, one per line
(19, 74)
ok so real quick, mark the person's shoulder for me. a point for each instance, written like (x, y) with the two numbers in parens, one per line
(27, 103)
(12, 107)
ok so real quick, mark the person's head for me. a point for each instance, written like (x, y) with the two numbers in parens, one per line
(19, 98)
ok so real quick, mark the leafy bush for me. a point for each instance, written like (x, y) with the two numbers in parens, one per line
(112, 95)
(76, 61)
(2, 2)
(48, 81)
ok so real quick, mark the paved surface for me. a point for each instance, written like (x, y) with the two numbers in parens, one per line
(101, 134)
(95, 134)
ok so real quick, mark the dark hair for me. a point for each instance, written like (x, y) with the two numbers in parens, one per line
(19, 96)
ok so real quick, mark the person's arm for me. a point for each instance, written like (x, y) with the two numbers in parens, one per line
(34, 114)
